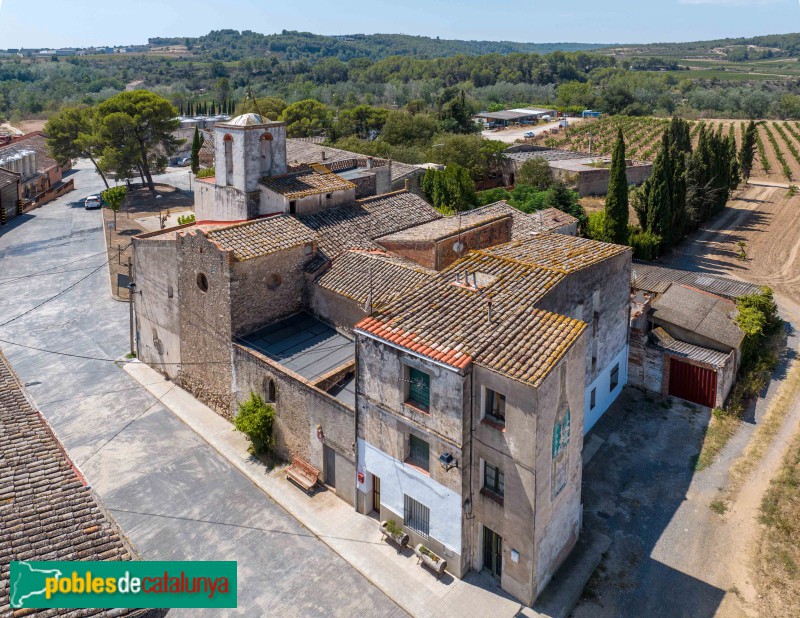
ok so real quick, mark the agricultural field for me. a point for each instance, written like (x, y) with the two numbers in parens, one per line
(777, 153)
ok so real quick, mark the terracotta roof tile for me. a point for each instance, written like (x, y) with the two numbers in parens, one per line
(46, 510)
(262, 236)
(303, 184)
(558, 251)
(301, 151)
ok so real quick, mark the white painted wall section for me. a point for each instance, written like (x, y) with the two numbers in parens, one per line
(604, 396)
(398, 478)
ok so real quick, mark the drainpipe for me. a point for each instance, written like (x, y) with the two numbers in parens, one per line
(471, 503)
(355, 432)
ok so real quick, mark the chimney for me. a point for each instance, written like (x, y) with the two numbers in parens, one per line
(407, 183)
(369, 163)
(489, 307)
(324, 155)
(475, 280)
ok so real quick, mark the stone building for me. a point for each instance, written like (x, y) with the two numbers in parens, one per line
(287, 285)
(684, 340)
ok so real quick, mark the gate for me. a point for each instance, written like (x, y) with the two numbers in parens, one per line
(693, 383)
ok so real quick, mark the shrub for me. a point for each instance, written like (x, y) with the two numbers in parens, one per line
(393, 528)
(256, 419)
(646, 245)
(206, 172)
(184, 219)
(596, 226)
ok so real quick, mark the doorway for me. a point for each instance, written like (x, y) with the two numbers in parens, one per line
(329, 466)
(492, 552)
(376, 494)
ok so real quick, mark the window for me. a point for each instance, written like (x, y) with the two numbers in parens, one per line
(169, 291)
(274, 281)
(228, 143)
(271, 391)
(493, 479)
(614, 378)
(593, 399)
(418, 452)
(419, 388)
(328, 196)
(292, 207)
(416, 516)
(495, 407)
(202, 282)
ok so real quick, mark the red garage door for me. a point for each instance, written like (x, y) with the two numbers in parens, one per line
(692, 383)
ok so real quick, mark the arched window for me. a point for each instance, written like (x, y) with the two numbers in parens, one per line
(228, 141)
(561, 432)
(270, 389)
(266, 153)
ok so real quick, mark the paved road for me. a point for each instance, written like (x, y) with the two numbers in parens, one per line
(173, 495)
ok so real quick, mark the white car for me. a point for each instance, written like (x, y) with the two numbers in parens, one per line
(529, 134)
(92, 202)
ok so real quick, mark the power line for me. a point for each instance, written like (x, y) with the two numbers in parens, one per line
(48, 270)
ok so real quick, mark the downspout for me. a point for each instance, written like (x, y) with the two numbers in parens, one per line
(471, 515)
(355, 430)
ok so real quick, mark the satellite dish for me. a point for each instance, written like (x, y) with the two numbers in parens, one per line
(458, 247)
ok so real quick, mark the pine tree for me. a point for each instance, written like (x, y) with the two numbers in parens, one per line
(748, 150)
(196, 145)
(616, 209)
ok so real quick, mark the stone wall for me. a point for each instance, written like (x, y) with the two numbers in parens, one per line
(267, 288)
(334, 308)
(157, 301)
(300, 409)
(205, 321)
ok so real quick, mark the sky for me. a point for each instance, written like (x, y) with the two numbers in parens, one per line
(83, 23)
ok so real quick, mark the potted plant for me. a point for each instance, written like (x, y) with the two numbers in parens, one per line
(392, 530)
(433, 562)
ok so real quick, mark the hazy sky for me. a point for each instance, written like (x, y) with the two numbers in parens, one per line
(62, 23)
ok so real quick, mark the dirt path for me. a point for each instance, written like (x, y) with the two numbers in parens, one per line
(769, 222)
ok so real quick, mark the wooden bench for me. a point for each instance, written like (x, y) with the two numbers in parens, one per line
(303, 473)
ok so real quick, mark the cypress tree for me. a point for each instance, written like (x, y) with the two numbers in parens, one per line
(213, 110)
(616, 209)
(659, 208)
(748, 150)
(196, 145)
(734, 177)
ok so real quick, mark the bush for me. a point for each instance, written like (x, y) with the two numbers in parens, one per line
(596, 226)
(184, 219)
(256, 419)
(646, 245)
(392, 527)
(206, 172)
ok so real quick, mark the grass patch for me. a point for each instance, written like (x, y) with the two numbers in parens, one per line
(721, 429)
(719, 507)
(779, 545)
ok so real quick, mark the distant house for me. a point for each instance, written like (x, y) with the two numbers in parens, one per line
(515, 116)
(10, 194)
(41, 175)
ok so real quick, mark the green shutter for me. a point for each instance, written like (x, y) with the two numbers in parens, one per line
(419, 390)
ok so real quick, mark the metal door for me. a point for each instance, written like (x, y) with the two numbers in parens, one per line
(376, 494)
(693, 383)
(329, 466)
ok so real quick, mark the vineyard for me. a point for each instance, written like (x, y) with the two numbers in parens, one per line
(777, 148)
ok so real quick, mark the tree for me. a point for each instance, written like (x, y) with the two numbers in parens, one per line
(143, 122)
(405, 129)
(197, 144)
(616, 209)
(748, 150)
(114, 198)
(449, 190)
(455, 114)
(307, 118)
(271, 107)
(536, 173)
(72, 134)
(361, 121)
(256, 419)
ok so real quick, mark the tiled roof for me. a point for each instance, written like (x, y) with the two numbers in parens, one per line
(494, 324)
(558, 251)
(687, 350)
(706, 314)
(304, 152)
(359, 274)
(303, 184)
(355, 226)
(262, 236)
(47, 512)
(651, 278)
(445, 227)
(547, 220)
(8, 178)
(171, 233)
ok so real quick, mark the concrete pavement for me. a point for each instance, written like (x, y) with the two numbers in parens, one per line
(173, 495)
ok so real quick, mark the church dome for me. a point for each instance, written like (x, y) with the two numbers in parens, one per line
(247, 120)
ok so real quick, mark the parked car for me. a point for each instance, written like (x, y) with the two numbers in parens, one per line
(184, 162)
(529, 134)
(93, 202)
